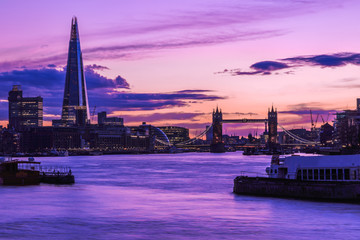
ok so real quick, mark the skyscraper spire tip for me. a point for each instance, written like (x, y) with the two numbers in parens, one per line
(74, 21)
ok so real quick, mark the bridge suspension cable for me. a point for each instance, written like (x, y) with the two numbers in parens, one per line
(197, 137)
(297, 138)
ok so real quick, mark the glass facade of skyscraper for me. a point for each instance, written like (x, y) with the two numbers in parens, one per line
(75, 108)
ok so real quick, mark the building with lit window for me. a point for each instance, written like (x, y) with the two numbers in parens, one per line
(24, 111)
(176, 134)
(347, 128)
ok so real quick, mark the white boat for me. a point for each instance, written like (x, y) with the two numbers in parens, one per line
(313, 177)
(316, 168)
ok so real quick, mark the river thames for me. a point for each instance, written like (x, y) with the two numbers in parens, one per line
(165, 196)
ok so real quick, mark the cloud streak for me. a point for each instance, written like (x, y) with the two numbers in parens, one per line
(210, 17)
(212, 23)
(259, 68)
(139, 49)
(127, 101)
(324, 60)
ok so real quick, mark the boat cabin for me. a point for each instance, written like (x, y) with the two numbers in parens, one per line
(316, 168)
(19, 172)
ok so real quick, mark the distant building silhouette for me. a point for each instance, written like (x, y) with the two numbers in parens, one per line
(104, 120)
(10, 140)
(347, 129)
(326, 134)
(48, 138)
(101, 117)
(75, 110)
(24, 111)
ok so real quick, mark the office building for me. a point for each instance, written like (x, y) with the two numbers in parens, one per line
(176, 134)
(104, 120)
(24, 111)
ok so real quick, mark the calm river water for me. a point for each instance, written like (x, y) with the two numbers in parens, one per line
(167, 196)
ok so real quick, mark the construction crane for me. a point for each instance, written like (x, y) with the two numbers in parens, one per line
(322, 119)
(327, 119)
(314, 131)
(313, 124)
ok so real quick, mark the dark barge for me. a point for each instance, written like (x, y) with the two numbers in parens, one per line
(57, 177)
(21, 173)
(288, 188)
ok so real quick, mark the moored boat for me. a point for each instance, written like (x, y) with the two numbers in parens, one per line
(20, 172)
(334, 178)
(57, 177)
(16, 172)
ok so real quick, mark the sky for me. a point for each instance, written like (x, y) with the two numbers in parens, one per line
(172, 62)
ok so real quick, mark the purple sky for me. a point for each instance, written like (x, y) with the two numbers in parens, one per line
(168, 62)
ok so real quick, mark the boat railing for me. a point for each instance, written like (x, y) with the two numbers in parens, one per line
(55, 171)
(248, 173)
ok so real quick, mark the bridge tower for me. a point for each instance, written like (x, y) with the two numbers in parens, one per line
(217, 145)
(272, 124)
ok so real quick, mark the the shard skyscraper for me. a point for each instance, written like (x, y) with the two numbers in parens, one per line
(75, 110)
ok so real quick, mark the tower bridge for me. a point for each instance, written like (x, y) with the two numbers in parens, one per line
(217, 144)
(271, 125)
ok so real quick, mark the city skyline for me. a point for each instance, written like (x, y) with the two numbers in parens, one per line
(174, 63)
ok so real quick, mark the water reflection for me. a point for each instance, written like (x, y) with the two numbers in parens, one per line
(177, 196)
